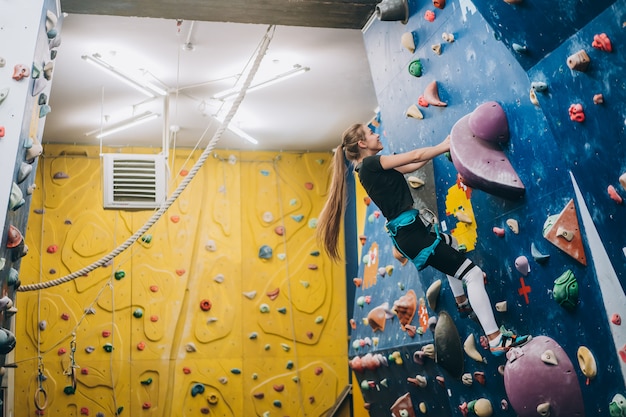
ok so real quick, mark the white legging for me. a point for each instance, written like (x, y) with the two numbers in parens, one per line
(476, 293)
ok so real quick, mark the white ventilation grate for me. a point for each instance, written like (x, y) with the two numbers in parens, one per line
(134, 181)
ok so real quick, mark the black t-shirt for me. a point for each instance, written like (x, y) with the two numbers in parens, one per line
(388, 189)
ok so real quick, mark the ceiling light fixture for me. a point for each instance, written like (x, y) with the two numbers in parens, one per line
(296, 70)
(220, 116)
(144, 87)
(126, 124)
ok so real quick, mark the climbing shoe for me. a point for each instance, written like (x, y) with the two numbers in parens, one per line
(508, 340)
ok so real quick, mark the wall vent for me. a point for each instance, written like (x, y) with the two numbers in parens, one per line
(134, 181)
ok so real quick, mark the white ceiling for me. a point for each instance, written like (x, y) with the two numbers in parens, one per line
(306, 112)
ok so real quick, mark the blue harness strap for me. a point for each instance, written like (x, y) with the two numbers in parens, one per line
(404, 219)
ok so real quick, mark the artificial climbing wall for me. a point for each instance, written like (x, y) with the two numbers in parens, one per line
(566, 222)
(225, 307)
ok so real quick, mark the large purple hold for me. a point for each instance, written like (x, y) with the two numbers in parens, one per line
(482, 164)
(488, 122)
(530, 382)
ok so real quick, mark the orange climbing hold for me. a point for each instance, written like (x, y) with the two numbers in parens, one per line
(602, 42)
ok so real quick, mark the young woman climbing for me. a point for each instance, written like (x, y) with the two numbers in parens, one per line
(382, 177)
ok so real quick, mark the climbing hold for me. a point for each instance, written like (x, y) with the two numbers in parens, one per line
(285, 347)
(448, 345)
(498, 231)
(617, 407)
(138, 313)
(467, 379)
(25, 168)
(579, 61)
(488, 121)
(14, 237)
(273, 294)
(357, 281)
(538, 256)
(549, 357)
(562, 231)
(432, 294)
(566, 290)
(249, 294)
(415, 68)
(197, 389)
(587, 363)
(403, 406)
(576, 113)
(440, 4)
(614, 195)
(210, 246)
(265, 252)
(16, 200)
(4, 92)
(393, 10)
(108, 347)
(431, 94)
(602, 42)
(414, 112)
(282, 310)
(297, 217)
(408, 41)
(419, 381)
(501, 306)
(539, 86)
(462, 217)
(429, 15)
(520, 49)
(264, 308)
(141, 346)
(20, 71)
(279, 230)
(513, 225)
(448, 37)
(481, 407)
(415, 182)
(436, 48)
(522, 265)
(279, 387)
(469, 346)
(479, 376)
(235, 371)
(205, 305)
(405, 307)
(119, 275)
(616, 319)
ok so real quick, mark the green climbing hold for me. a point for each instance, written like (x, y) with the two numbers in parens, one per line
(138, 313)
(415, 68)
(108, 347)
(146, 238)
(69, 390)
(282, 310)
(289, 364)
(566, 290)
(146, 381)
(235, 371)
(119, 274)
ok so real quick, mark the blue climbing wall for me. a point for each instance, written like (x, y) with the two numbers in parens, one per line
(557, 159)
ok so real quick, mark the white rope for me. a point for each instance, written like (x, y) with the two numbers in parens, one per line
(181, 187)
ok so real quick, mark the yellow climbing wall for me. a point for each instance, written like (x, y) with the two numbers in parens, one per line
(189, 320)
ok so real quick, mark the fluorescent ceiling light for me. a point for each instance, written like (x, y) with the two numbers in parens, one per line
(243, 135)
(296, 70)
(126, 124)
(142, 86)
(236, 130)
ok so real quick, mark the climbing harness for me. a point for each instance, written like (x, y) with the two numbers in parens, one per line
(408, 217)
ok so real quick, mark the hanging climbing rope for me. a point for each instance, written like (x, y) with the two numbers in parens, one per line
(181, 187)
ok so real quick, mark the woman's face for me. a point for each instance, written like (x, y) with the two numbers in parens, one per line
(371, 142)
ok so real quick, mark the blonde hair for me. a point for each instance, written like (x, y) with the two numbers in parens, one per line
(329, 221)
